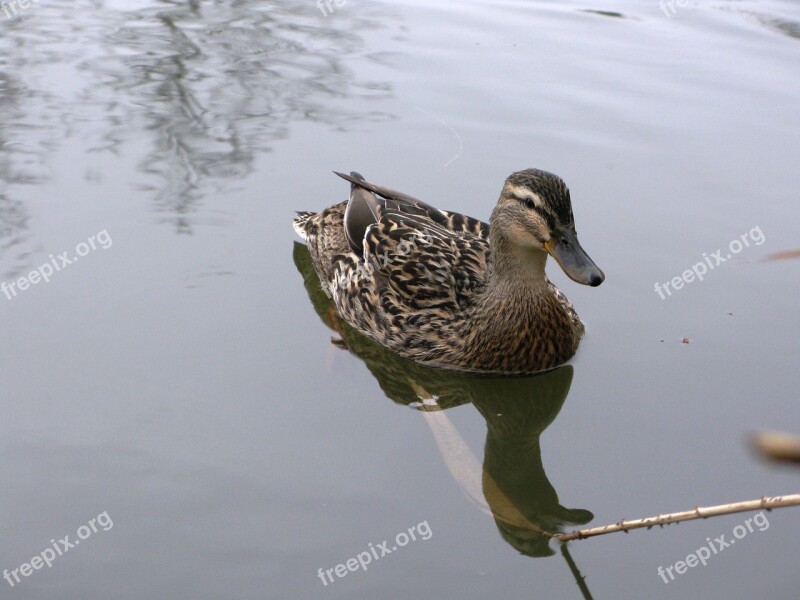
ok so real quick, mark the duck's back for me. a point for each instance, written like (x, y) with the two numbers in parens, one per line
(414, 281)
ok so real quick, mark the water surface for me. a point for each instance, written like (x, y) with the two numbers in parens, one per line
(181, 380)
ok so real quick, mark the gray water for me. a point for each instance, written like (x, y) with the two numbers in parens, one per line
(177, 381)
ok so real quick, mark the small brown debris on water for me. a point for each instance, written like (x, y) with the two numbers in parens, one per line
(783, 255)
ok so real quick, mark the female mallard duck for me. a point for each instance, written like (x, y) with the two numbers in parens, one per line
(444, 289)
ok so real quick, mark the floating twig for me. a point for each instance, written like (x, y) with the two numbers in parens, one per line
(765, 503)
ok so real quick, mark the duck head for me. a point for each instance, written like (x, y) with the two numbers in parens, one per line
(534, 213)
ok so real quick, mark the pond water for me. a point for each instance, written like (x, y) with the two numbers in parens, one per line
(178, 401)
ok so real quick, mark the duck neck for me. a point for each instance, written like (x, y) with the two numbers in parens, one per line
(517, 324)
(515, 269)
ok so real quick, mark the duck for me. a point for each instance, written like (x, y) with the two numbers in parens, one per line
(446, 290)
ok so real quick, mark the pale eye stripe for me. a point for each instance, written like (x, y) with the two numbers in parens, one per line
(523, 193)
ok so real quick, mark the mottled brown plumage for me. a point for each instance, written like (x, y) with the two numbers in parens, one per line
(447, 290)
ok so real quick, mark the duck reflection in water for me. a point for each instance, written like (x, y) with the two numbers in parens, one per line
(512, 484)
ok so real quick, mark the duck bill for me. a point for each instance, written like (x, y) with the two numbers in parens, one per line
(572, 258)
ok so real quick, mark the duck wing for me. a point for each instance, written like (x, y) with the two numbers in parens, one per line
(410, 269)
(421, 266)
(369, 202)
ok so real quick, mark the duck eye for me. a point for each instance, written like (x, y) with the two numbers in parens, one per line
(529, 203)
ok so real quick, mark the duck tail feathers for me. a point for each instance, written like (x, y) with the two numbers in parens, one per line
(300, 222)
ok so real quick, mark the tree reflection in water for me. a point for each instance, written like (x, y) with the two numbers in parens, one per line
(195, 91)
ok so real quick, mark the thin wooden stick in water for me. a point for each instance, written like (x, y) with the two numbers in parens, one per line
(765, 503)
(579, 579)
